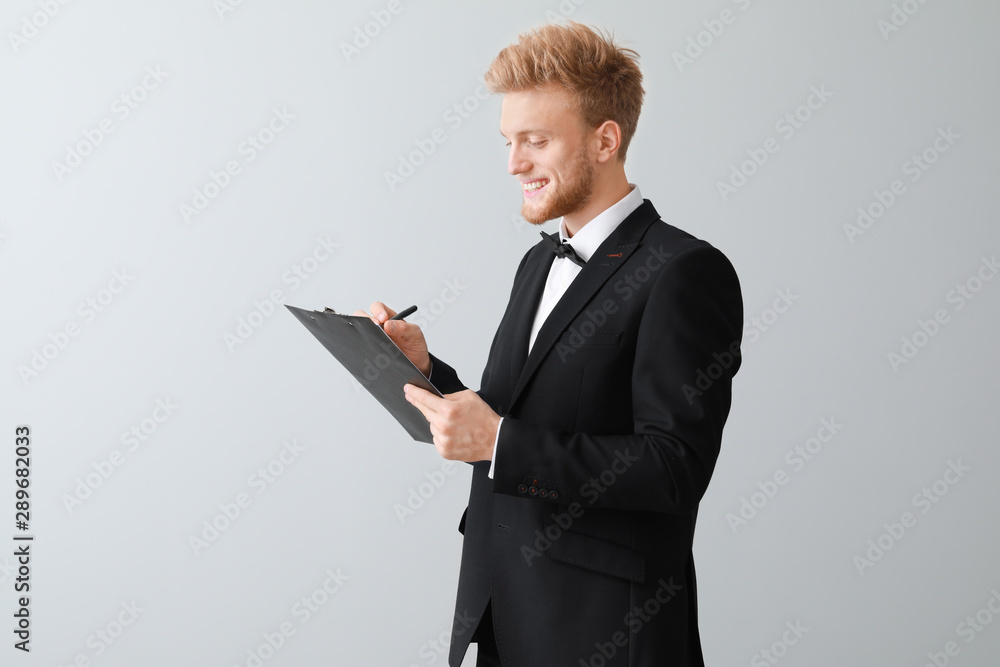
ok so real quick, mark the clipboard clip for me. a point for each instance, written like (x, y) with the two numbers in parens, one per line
(328, 309)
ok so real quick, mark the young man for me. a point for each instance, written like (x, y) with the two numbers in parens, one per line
(600, 414)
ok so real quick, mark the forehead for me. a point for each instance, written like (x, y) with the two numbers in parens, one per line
(549, 109)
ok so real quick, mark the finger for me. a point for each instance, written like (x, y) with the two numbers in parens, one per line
(398, 328)
(422, 398)
(361, 313)
(381, 312)
(427, 413)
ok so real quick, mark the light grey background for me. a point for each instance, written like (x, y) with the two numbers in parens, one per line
(448, 238)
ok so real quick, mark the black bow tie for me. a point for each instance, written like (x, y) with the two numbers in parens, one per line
(563, 249)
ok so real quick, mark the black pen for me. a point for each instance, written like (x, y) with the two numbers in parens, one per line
(404, 313)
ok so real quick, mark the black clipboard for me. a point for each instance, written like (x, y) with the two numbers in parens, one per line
(374, 360)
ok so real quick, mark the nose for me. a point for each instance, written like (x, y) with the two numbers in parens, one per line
(517, 164)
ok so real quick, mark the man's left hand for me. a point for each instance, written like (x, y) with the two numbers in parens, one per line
(463, 425)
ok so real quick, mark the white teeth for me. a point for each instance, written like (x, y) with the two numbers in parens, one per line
(531, 187)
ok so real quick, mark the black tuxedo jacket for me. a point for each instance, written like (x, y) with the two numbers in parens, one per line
(611, 430)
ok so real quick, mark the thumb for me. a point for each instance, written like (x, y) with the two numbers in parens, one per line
(397, 329)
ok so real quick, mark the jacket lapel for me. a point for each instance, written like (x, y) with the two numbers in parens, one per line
(606, 260)
(527, 299)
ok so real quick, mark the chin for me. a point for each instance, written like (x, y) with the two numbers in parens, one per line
(539, 212)
(536, 216)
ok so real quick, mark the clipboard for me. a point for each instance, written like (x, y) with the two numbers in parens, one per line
(375, 361)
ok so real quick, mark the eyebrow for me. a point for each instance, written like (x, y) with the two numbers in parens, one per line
(521, 133)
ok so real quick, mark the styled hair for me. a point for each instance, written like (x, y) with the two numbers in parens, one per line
(603, 78)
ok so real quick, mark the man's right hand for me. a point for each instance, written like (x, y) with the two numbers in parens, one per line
(406, 335)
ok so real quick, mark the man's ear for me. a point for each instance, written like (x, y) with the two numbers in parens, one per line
(608, 137)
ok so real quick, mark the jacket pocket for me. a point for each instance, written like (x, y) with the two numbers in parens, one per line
(599, 555)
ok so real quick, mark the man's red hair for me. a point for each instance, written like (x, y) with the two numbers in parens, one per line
(603, 78)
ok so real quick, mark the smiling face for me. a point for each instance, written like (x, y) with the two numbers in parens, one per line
(549, 153)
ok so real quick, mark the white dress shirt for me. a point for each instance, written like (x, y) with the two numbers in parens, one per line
(564, 270)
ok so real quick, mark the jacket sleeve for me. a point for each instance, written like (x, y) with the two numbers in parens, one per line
(686, 353)
(444, 377)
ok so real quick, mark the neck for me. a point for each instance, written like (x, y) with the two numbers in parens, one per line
(607, 192)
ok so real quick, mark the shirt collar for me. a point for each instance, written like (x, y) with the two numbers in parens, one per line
(586, 241)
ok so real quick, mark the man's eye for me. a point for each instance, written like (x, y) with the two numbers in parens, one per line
(529, 144)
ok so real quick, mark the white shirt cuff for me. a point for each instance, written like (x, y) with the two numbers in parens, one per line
(496, 442)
